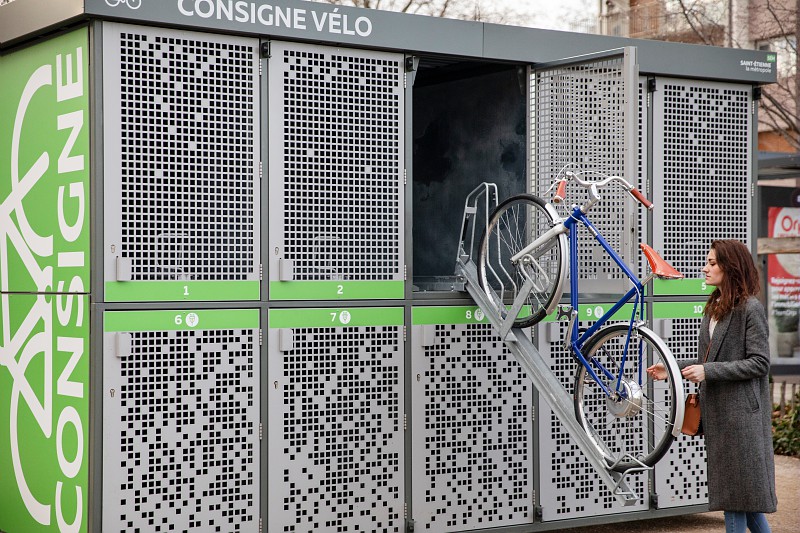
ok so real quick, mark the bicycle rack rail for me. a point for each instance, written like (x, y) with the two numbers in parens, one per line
(529, 357)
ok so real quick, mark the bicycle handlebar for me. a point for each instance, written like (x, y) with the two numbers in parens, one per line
(641, 197)
(561, 189)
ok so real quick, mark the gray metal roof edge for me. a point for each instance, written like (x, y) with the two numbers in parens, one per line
(21, 19)
(655, 57)
(368, 28)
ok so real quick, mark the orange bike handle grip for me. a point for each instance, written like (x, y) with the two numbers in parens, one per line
(639, 196)
(561, 191)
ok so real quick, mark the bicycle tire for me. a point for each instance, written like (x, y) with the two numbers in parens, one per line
(620, 429)
(515, 223)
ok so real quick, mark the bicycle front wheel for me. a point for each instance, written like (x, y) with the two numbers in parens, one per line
(513, 225)
(635, 424)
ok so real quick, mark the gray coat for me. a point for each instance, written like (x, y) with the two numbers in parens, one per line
(737, 411)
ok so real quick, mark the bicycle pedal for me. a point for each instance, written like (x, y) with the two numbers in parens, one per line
(564, 312)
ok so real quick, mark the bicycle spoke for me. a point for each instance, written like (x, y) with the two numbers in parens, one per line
(515, 223)
(637, 420)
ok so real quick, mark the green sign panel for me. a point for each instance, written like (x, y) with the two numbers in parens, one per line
(681, 287)
(124, 321)
(189, 291)
(44, 412)
(592, 312)
(335, 317)
(44, 176)
(678, 309)
(44, 250)
(467, 314)
(336, 290)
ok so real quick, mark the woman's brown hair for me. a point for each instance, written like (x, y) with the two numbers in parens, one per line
(739, 281)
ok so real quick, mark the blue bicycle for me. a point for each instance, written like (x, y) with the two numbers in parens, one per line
(522, 268)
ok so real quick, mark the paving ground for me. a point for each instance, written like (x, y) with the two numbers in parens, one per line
(786, 520)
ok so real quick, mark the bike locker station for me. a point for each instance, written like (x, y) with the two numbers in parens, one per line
(235, 290)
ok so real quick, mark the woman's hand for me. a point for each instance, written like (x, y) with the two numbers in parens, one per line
(657, 371)
(694, 373)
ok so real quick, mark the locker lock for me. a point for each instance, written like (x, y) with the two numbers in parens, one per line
(112, 392)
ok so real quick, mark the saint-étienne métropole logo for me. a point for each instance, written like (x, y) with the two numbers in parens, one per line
(33, 338)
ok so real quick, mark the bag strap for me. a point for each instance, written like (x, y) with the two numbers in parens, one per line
(708, 350)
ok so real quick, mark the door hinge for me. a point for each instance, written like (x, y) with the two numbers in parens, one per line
(405, 272)
(405, 176)
(260, 431)
(405, 422)
(260, 337)
(266, 50)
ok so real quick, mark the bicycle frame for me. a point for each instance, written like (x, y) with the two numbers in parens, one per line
(637, 292)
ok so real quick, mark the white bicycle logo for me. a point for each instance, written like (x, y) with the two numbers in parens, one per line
(133, 4)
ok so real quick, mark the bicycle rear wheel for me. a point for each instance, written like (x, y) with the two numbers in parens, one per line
(639, 423)
(514, 224)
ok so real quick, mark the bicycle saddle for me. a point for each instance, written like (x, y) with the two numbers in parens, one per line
(661, 269)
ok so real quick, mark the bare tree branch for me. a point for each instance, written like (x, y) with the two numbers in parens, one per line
(688, 15)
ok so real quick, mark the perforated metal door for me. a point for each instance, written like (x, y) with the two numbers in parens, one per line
(680, 477)
(702, 156)
(472, 431)
(181, 178)
(588, 116)
(569, 486)
(335, 420)
(335, 173)
(180, 421)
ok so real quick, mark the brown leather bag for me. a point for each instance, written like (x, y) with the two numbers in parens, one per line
(692, 417)
(692, 420)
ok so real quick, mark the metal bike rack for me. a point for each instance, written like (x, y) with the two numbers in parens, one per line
(529, 357)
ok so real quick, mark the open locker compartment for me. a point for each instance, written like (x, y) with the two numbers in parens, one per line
(470, 121)
(518, 126)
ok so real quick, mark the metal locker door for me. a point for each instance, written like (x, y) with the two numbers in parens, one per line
(568, 485)
(680, 477)
(702, 157)
(181, 165)
(181, 412)
(471, 425)
(335, 421)
(588, 113)
(336, 173)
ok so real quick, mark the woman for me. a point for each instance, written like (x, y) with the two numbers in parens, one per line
(734, 390)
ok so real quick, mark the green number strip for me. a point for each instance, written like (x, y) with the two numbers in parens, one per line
(333, 317)
(678, 309)
(180, 291)
(589, 312)
(180, 320)
(680, 287)
(336, 290)
(421, 316)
